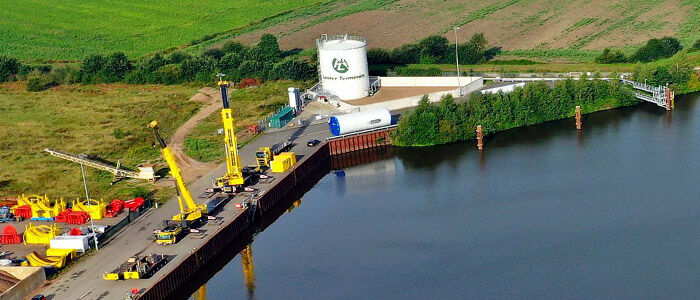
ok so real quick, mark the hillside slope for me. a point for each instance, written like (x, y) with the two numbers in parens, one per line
(512, 24)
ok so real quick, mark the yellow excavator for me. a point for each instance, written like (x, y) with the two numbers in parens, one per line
(191, 213)
(234, 171)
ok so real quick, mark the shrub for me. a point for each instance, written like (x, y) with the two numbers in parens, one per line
(91, 67)
(657, 49)
(414, 71)
(9, 66)
(609, 57)
(234, 47)
(293, 69)
(39, 82)
(431, 124)
(378, 56)
(178, 57)
(115, 67)
(214, 53)
(229, 62)
(169, 74)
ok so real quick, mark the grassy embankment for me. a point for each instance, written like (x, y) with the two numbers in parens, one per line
(105, 120)
(249, 105)
(69, 30)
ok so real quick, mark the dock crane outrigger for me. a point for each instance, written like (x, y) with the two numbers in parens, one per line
(234, 171)
(191, 213)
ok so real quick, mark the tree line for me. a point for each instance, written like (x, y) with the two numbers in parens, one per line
(537, 102)
(654, 49)
(264, 61)
(434, 49)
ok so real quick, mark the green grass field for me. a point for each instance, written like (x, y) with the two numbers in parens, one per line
(69, 30)
(105, 120)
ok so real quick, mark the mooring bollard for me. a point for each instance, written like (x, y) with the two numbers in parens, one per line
(578, 117)
(479, 137)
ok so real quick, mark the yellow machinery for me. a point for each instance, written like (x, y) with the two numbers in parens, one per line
(283, 162)
(138, 267)
(189, 210)
(41, 206)
(234, 170)
(34, 259)
(263, 157)
(41, 234)
(96, 209)
(248, 270)
(291, 155)
(170, 234)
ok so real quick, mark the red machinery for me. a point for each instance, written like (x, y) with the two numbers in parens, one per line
(75, 231)
(134, 204)
(10, 236)
(114, 208)
(24, 211)
(73, 217)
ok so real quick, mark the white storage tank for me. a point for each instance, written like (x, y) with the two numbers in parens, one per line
(343, 65)
(359, 121)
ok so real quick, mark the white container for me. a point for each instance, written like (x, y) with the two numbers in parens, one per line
(343, 65)
(77, 242)
(294, 100)
(359, 121)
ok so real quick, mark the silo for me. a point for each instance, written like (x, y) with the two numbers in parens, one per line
(343, 66)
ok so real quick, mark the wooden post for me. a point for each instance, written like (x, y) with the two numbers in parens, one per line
(479, 137)
(669, 99)
(578, 117)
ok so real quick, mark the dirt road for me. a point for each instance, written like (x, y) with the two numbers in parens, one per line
(191, 168)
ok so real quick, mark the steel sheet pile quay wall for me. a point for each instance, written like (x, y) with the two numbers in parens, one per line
(227, 234)
(230, 233)
(359, 142)
(297, 173)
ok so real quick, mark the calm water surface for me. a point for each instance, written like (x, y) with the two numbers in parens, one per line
(544, 212)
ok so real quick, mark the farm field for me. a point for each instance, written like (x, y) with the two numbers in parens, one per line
(571, 25)
(35, 30)
(105, 120)
(40, 31)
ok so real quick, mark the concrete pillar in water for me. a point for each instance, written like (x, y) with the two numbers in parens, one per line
(578, 117)
(479, 137)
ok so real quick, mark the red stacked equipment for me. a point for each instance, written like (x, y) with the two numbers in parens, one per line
(24, 211)
(10, 236)
(114, 208)
(73, 217)
(134, 204)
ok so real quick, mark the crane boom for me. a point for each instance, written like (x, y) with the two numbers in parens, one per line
(234, 175)
(190, 211)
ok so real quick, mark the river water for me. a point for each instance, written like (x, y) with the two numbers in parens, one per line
(543, 212)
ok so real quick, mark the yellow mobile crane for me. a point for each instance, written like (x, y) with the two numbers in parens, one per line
(190, 212)
(234, 170)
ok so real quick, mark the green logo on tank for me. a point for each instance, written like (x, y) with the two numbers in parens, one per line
(340, 65)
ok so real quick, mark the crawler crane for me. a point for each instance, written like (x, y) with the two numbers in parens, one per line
(191, 213)
(234, 171)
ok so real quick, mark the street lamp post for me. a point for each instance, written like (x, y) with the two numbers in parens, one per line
(87, 196)
(457, 61)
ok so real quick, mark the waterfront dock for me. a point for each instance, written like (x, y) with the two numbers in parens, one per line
(83, 280)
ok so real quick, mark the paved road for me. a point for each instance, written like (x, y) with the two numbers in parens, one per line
(83, 280)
